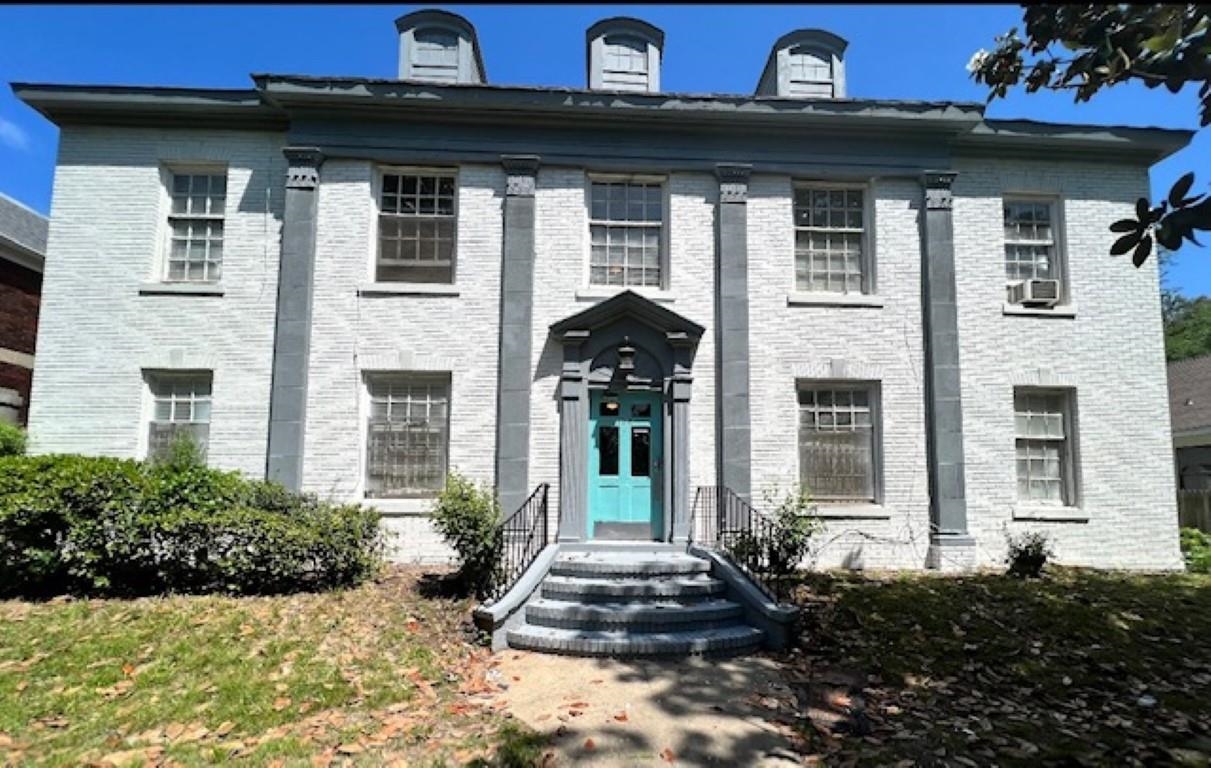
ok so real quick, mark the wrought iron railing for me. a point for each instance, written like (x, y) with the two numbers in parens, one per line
(523, 536)
(722, 521)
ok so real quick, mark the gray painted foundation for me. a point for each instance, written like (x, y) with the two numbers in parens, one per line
(292, 332)
(516, 313)
(950, 543)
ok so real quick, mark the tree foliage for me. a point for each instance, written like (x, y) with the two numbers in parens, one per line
(1086, 48)
(1188, 334)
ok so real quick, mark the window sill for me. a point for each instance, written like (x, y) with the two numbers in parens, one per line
(807, 298)
(1051, 513)
(181, 289)
(598, 292)
(852, 511)
(1064, 310)
(420, 507)
(407, 289)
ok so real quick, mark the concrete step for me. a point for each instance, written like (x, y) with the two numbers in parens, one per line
(598, 590)
(724, 640)
(626, 563)
(637, 617)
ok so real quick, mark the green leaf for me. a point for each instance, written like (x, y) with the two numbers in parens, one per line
(1124, 244)
(1142, 251)
(1142, 208)
(1125, 225)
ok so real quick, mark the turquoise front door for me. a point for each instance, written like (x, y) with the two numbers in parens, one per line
(625, 447)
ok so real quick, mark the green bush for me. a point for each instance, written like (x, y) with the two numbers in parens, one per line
(468, 518)
(1028, 553)
(12, 440)
(1196, 548)
(93, 525)
(777, 548)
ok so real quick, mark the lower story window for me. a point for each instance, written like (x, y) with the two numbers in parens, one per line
(837, 441)
(407, 434)
(1043, 435)
(180, 409)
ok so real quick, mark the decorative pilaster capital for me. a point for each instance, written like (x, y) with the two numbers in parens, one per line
(733, 182)
(937, 186)
(521, 174)
(303, 167)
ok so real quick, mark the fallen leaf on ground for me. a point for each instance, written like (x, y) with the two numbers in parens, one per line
(589, 744)
(280, 703)
(667, 755)
(621, 717)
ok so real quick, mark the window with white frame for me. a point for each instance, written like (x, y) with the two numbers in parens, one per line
(195, 222)
(1043, 434)
(811, 73)
(625, 62)
(435, 54)
(416, 226)
(180, 407)
(626, 222)
(1031, 250)
(830, 239)
(837, 427)
(407, 434)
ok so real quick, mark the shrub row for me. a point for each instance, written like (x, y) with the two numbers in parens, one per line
(93, 525)
(1196, 548)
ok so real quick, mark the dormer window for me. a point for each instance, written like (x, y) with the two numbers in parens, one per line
(435, 55)
(624, 55)
(805, 64)
(438, 47)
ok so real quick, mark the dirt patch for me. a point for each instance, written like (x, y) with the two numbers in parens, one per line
(607, 712)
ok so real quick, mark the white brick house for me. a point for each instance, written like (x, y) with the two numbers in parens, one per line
(353, 285)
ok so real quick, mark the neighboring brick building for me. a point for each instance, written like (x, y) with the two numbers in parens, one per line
(1190, 411)
(623, 292)
(22, 250)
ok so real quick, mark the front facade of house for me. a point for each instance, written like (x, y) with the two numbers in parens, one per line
(354, 286)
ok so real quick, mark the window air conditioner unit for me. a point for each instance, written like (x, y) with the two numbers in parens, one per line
(1035, 293)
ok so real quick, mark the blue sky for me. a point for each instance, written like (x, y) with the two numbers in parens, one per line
(895, 52)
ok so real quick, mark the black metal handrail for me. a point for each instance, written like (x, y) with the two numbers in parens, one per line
(725, 522)
(523, 536)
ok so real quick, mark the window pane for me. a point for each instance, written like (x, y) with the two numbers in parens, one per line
(641, 451)
(836, 443)
(408, 424)
(829, 240)
(607, 450)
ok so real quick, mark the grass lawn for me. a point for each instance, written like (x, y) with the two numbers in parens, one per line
(375, 675)
(1078, 668)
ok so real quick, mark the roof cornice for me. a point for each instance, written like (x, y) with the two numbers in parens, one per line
(144, 105)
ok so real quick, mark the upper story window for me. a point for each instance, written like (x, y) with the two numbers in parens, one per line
(1043, 431)
(409, 423)
(626, 223)
(830, 240)
(435, 55)
(811, 72)
(626, 61)
(180, 405)
(624, 55)
(837, 457)
(416, 227)
(196, 227)
(1033, 257)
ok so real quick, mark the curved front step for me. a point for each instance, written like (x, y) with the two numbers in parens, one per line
(639, 617)
(636, 564)
(733, 639)
(598, 590)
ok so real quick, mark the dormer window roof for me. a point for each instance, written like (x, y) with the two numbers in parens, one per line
(624, 55)
(440, 47)
(805, 64)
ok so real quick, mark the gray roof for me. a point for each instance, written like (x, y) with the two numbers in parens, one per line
(22, 234)
(1190, 394)
(276, 99)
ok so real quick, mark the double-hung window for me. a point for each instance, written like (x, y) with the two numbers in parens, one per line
(837, 428)
(811, 73)
(407, 434)
(626, 223)
(416, 227)
(1031, 250)
(1043, 431)
(830, 240)
(180, 406)
(435, 54)
(195, 219)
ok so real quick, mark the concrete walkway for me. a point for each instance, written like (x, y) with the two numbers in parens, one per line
(606, 712)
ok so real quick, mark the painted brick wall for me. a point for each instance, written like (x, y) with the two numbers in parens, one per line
(107, 237)
(352, 333)
(1112, 352)
(881, 344)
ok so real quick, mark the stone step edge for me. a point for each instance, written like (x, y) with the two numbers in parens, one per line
(597, 590)
(567, 612)
(732, 639)
(638, 568)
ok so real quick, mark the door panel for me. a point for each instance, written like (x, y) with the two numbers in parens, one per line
(625, 461)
